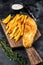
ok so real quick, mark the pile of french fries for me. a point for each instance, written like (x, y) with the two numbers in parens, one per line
(21, 25)
(15, 25)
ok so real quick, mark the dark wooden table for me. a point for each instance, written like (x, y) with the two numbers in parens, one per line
(37, 10)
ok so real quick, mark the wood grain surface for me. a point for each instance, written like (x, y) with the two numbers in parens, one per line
(33, 56)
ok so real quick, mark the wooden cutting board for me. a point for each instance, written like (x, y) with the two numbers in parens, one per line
(12, 42)
(31, 52)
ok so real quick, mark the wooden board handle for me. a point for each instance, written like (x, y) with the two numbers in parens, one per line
(34, 57)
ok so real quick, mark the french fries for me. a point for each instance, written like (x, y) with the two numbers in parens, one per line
(15, 26)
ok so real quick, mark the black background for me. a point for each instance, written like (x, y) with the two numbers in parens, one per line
(36, 7)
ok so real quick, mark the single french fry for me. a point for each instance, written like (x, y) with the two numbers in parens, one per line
(16, 33)
(19, 25)
(6, 20)
(22, 29)
(22, 19)
(7, 30)
(25, 18)
(17, 37)
(13, 31)
(7, 26)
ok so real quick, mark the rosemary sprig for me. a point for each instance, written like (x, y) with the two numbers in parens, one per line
(12, 55)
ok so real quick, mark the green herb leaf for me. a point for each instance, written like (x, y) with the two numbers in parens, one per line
(12, 55)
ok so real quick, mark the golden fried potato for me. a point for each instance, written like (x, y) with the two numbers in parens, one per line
(25, 16)
(17, 37)
(19, 25)
(7, 31)
(16, 33)
(7, 19)
(22, 31)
